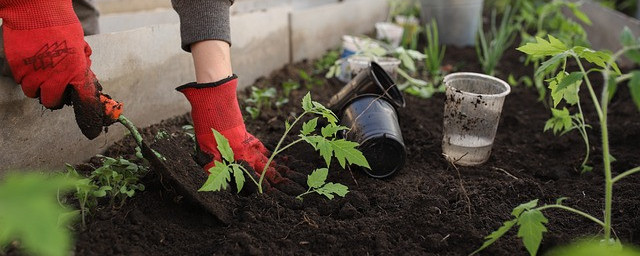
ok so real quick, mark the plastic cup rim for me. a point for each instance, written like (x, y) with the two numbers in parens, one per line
(453, 76)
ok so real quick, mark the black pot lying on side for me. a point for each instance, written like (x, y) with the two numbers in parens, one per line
(374, 125)
(372, 80)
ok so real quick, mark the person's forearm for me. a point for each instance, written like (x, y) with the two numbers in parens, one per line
(212, 60)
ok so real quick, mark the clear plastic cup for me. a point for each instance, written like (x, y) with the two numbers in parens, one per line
(472, 110)
(358, 63)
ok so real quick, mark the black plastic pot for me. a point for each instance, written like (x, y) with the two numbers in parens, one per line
(374, 125)
(373, 80)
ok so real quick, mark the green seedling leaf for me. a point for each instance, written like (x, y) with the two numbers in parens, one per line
(526, 206)
(307, 105)
(599, 58)
(543, 47)
(309, 126)
(550, 64)
(571, 79)
(579, 14)
(627, 38)
(218, 179)
(239, 177)
(331, 188)
(491, 238)
(317, 178)
(586, 168)
(331, 73)
(569, 91)
(331, 129)
(595, 248)
(223, 146)
(560, 121)
(346, 151)
(634, 87)
(560, 200)
(30, 213)
(324, 112)
(531, 224)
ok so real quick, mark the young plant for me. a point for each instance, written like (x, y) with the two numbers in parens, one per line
(434, 52)
(325, 143)
(529, 216)
(308, 80)
(491, 47)
(120, 178)
(289, 86)
(260, 99)
(30, 213)
(86, 192)
(326, 62)
(317, 184)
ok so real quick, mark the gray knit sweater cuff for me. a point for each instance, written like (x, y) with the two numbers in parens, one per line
(203, 20)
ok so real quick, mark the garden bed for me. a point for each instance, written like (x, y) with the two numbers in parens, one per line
(429, 207)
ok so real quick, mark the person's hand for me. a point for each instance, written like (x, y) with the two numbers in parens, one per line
(48, 56)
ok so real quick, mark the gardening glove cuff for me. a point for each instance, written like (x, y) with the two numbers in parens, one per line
(215, 106)
(45, 48)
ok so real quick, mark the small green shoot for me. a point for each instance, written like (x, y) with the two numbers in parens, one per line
(491, 47)
(317, 184)
(30, 213)
(260, 99)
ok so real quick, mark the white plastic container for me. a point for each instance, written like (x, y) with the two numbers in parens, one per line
(389, 32)
(473, 104)
(458, 20)
(358, 63)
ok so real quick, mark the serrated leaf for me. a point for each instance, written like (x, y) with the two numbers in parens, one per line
(634, 87)
(331, 188)
(599, 58)
(307, 105)
(325, 149)
(223, 146)
(346, 151)
(525, 206)
(543, 47)
(491, 238)
(309, 126)
(218, 178)
(560, 121)
(331, 129)
(287, 125)
(550, 64)
(317, 178)
(569, 92)
(238, 175)
(531, 224)
(571, 79)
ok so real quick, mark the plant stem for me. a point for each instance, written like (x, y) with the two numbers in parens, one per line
(277, 150)
(590, 87)
(583, 132)
(289, 145)
(625, 174)
(247, 172)
(567, 208)
(132, 129)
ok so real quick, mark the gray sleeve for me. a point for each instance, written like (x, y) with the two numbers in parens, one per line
(203, 20)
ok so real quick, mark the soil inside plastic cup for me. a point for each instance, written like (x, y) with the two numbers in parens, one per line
(473, 104)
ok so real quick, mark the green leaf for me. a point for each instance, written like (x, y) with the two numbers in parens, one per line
(491, 238)
(531, 224)
(634, 88)
(331, 188)
(627, 38)
(593, 247)
(223, 146)
(331, 129)
(526, 206)
(579, 14)
(599, 58)
(407, 61)
(325, 149)
(560, 121)
(309, 127)
(238, 175)
(569, 92)
(331, 73)
(317, 178)
(550, 64)
(307, 105)
(560, 200)
(571, 79)
(543, 47)
(218, 178)
(30, 213)
(346, 151)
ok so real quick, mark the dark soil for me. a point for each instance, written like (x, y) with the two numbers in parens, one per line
(428, 208)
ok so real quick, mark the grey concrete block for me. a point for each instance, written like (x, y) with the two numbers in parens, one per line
(260, 43)
(315, 30)
(118, 6)
(115, 22)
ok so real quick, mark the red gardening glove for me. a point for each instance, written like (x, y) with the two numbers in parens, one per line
(215, 106)
(44, 45)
